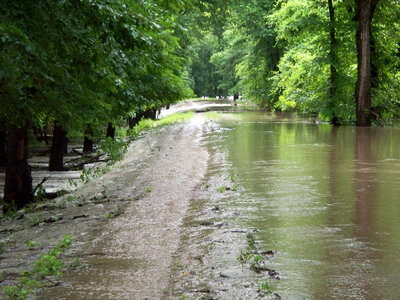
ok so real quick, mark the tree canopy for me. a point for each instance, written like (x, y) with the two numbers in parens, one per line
(302, 56)
(79, 63)
(75, 61)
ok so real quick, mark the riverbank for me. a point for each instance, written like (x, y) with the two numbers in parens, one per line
(153, 227)
(125, 224)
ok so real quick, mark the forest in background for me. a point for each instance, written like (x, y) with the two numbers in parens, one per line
(303, 55)
(84, 64)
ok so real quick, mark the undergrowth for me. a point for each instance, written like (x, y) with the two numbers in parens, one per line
(147, 124)
(212, 115)
(115, 149)
(46, 267)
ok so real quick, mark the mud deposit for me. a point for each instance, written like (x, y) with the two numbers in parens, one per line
(126, 224)
(156, 226)
(207, 264)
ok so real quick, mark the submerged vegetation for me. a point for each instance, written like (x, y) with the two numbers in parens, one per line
(257, 260)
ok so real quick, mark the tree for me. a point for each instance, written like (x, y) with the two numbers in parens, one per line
(364, 13)
(58, 146)
(226, 61)
(3, 152)
(203, 72)
(304, 72)
(71, 62)
(18, 183)
(261, 52)
(333, 59)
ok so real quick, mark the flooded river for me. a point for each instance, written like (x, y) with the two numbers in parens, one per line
(325, 199)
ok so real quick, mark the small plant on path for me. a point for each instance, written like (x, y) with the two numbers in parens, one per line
(49, 265)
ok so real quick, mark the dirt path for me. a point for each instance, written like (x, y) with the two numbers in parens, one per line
(133, 253)
(129, 256)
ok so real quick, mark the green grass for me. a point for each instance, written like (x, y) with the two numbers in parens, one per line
(222, 189)
(212, 115)
(265, 287)
(30, 244)
(205, 99)
(148, 124)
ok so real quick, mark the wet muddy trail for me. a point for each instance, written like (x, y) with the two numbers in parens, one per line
(130, 256)
(245, 206)
(126, 225)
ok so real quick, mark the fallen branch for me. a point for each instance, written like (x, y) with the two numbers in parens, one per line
(79, 216)
(77, 152)
(375, 115)
(90, 160)
(43, 181)
(79, 159)
(54, 283)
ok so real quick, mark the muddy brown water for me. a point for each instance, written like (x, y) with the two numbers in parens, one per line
(326, 200)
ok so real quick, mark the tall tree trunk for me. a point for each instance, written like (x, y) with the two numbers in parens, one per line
(18, 184)
(150, 114)
(88, 139)
(364, 13)
(134, 120)
(110, 131)
(333, 61)
(58, 145)
(3, 153)
(374, 64)
(131, 122)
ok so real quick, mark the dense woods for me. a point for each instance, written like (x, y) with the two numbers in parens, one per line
(338, 60)
(84, 64)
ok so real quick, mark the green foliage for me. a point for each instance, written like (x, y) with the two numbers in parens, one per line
(222, 189)
(147, 124)
(250, 252)
(86, 62)
(278, 53)
(212, 115)
(231, 178)
(30, 244)
(3, 246)
(266, 288)
(80, 62)
(49, 264)
(114, 149)
(257, 262)
(114, 213)
(35, 220)
(202, 71)
(226, 60)
(88, 174)
(304, 69)
(40, 193)
(12, 211)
